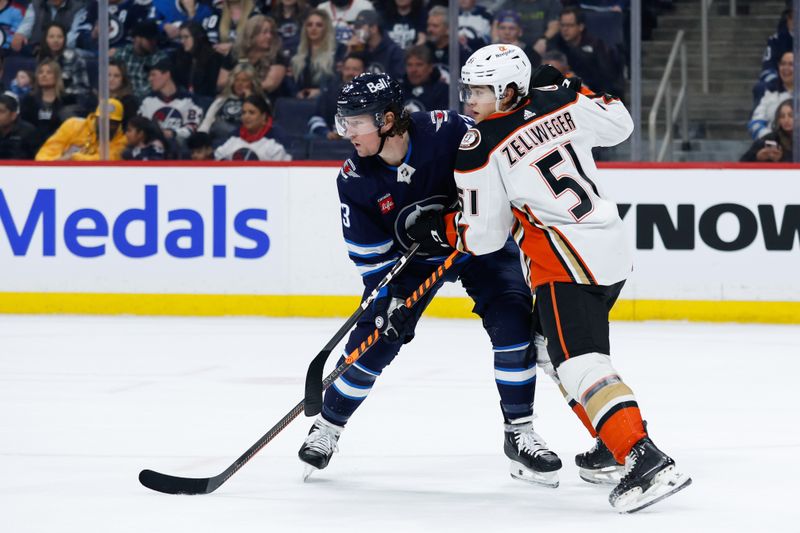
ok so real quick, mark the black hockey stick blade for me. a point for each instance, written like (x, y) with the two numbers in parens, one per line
(206, 485)
(176, 485)
(313, 397)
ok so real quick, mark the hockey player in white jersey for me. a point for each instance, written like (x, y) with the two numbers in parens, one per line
(527, 168)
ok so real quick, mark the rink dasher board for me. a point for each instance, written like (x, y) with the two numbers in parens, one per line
(711, 243)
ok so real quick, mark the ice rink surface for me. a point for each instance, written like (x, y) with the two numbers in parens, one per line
(87, 402)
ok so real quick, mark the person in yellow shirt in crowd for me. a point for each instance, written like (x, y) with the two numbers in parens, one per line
(77, 138)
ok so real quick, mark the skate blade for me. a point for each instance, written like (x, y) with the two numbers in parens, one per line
(307, 472)
(543, 479)
(609, 475)
(666, 484)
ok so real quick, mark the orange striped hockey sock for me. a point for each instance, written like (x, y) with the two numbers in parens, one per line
(608, 403)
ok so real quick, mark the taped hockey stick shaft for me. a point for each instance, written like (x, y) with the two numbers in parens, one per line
(313, 396)
(183, 485)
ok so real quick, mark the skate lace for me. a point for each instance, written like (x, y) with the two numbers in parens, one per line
(630, 464)
(322, 441)
(530, 441)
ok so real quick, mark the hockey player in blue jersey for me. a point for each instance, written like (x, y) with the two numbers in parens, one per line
(402, 166)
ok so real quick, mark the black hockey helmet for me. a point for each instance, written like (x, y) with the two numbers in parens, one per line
(368, 94)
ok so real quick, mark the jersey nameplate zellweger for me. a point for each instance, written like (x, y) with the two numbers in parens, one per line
(536, 134)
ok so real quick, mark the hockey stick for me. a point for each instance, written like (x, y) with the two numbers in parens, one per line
(313, 397)
(314, 385)
(183, 485)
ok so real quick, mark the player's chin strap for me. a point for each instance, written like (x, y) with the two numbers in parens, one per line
(383, 137)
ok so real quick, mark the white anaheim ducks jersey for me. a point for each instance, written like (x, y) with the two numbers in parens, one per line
(531, 171)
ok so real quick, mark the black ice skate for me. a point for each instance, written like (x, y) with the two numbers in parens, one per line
(317, 449)
(531, 461)
(650, 476)
(598, 465)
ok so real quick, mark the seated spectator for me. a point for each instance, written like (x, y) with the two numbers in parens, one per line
(289, 15)
(775, 146)
(123, 16)
(232, 19)
(47, 105)
(141, 54)
(254, 141)
(73, 67)
(11, 15)
(321, 124)
(314, 65)
(224, 116)
(778, 44)
(422, 85)
(172, 108)
(538, 22)
(474, 24)
(439, 41)
(760, 123)
(381, 53)
(200, 148)
(405, 22)
(16, 136)
(343, 13)
(22, 83)
(588, 57)
(120, 88)
(198, 67)
(559, 61)
(170, 14)
(507, 30)
(145, 142)
(260, 46)
(39, 14)
(77, 138)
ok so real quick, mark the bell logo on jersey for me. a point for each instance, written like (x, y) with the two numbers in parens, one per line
(471, 139)
(386, 203)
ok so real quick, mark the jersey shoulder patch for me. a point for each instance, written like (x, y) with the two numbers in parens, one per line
(348, 170)
(471, 139)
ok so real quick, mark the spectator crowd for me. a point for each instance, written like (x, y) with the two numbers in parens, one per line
(258, 79)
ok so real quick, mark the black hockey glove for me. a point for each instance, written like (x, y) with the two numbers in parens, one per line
(545, 75)
(430, 232)
(393, 319)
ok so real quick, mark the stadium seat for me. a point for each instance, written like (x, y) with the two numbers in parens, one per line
(17, 63)
(325, 150)
(608, 26)
(293, 114)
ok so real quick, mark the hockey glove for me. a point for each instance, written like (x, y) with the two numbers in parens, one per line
(430, 232)
(546, 75)
(393, 319)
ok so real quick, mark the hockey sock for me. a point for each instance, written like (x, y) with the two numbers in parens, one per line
(515, 376)
(543, 360)
(347, 393)
(608, 402)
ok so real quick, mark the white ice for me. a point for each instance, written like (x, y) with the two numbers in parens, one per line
(87, 402)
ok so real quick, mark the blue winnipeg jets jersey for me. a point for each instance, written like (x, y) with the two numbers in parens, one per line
(380, 201)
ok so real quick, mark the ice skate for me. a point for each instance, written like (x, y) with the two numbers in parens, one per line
(650, 476)
(319, 446)
(598, 465)
(531, 461)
